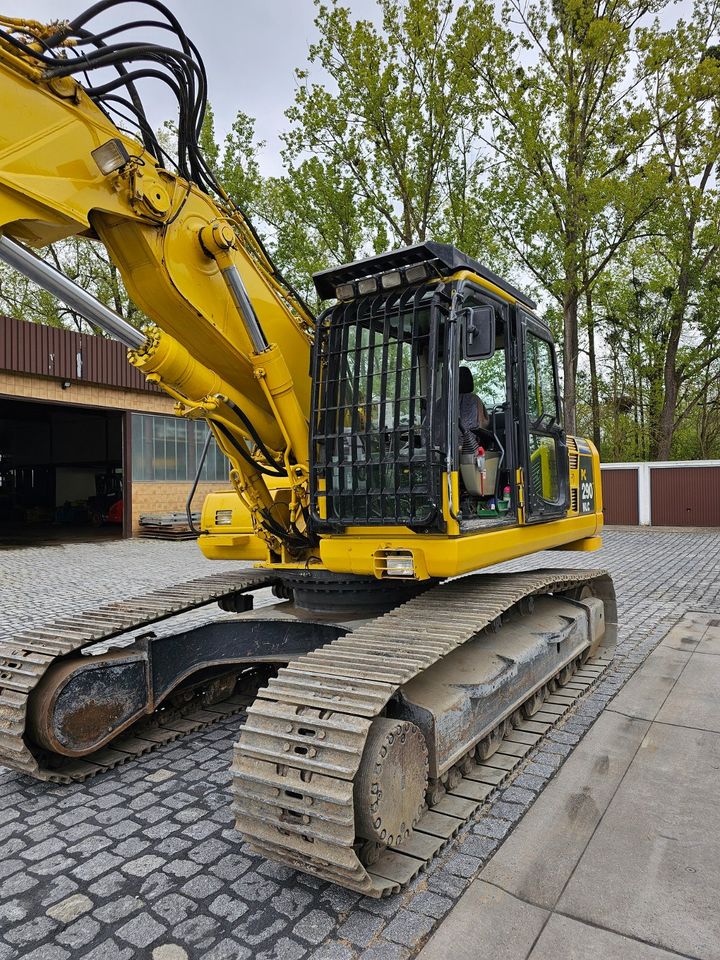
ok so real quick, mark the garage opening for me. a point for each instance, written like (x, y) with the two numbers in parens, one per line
(61, 473)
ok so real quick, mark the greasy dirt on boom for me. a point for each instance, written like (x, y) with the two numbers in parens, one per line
(26, 657)
(300, 750)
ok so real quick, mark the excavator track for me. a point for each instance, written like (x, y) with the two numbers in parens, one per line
(26, 657)
(295, 766)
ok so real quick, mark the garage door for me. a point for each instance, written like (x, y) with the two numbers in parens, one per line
(685, 496)
(620, 497)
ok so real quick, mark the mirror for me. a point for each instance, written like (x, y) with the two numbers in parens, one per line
(479, 333)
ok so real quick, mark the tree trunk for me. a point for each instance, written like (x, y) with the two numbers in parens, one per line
(570, 356)
(666, 420)
(665, 424)
(592, 356)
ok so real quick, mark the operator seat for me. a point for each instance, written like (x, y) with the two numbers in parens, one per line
(474, 420)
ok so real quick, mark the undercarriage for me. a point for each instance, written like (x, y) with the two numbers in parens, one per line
(366, 739)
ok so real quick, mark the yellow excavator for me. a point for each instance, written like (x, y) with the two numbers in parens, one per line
(379, 455)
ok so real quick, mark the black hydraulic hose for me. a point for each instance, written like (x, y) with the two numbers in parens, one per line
(247, 423)
(196, 481)
(245, 454)
(146, 131)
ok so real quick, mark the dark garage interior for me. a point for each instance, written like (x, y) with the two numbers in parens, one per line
(60, 473)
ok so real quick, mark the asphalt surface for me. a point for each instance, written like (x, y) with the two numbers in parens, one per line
(144, 862)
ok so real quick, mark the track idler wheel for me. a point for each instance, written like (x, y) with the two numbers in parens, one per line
(391, 782)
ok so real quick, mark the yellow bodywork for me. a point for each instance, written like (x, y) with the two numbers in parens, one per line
(172, 242)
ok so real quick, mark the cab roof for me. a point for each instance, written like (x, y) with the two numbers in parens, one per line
(442, 259)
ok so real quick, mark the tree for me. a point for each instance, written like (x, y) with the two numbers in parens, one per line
(395, 123)
(682, 88)
(568, 189)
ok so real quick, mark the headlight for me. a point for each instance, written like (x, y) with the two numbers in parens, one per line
(367, 285)
(398, 564)
(417, 271)
(110, 156)
(390, 280)
(345, 291)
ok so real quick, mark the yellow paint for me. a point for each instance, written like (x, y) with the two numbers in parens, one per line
(451, 556)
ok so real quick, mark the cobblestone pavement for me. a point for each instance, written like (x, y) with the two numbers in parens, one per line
(144, 862)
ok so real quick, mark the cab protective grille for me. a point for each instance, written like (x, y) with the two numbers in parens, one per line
(376, 419)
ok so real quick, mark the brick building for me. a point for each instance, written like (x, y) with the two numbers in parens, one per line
(78, 427)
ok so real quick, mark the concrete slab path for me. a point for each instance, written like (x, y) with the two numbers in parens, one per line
(619, 857)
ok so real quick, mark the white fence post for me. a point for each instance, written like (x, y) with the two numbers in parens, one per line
(644, 495)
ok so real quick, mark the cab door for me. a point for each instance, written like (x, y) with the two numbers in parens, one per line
(542, 440)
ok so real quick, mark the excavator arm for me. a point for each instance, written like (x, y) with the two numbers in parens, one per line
(230, 340)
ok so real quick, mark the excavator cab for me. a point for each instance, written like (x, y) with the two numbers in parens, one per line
(392, 359)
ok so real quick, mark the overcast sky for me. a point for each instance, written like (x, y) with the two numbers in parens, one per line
(251, 49)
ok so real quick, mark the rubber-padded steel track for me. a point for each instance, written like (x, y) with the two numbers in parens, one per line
(26, 657)
(301, 746)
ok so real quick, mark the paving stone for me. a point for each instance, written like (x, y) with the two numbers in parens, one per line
(492, 827)
(360, 928)
(156, 884)
(70, 909)
(529, 782)
(169, 951)
(131, 847)
(109, 950)
(41, 851)
(97, 865)
(257, 930)
(408, 928)
(292, 902)
(431, 904)
(332, 951)
(507, 811)
(80, 933)
(196, 930)
(209, 852)
(230, 867)
(466, 865)
(141, 931)
(18, 883)
(518, 795)
(284, 949)
(386, 951)
(117, 909)
(159, 776)
(30, 932)
(227, 907)
(8, 867)
(173, 908)
(13, 911)
(108, 885)
(142, 866)
(48, 951)
(314, 926)
(227, 949)
(173, 806)
(201, 886)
